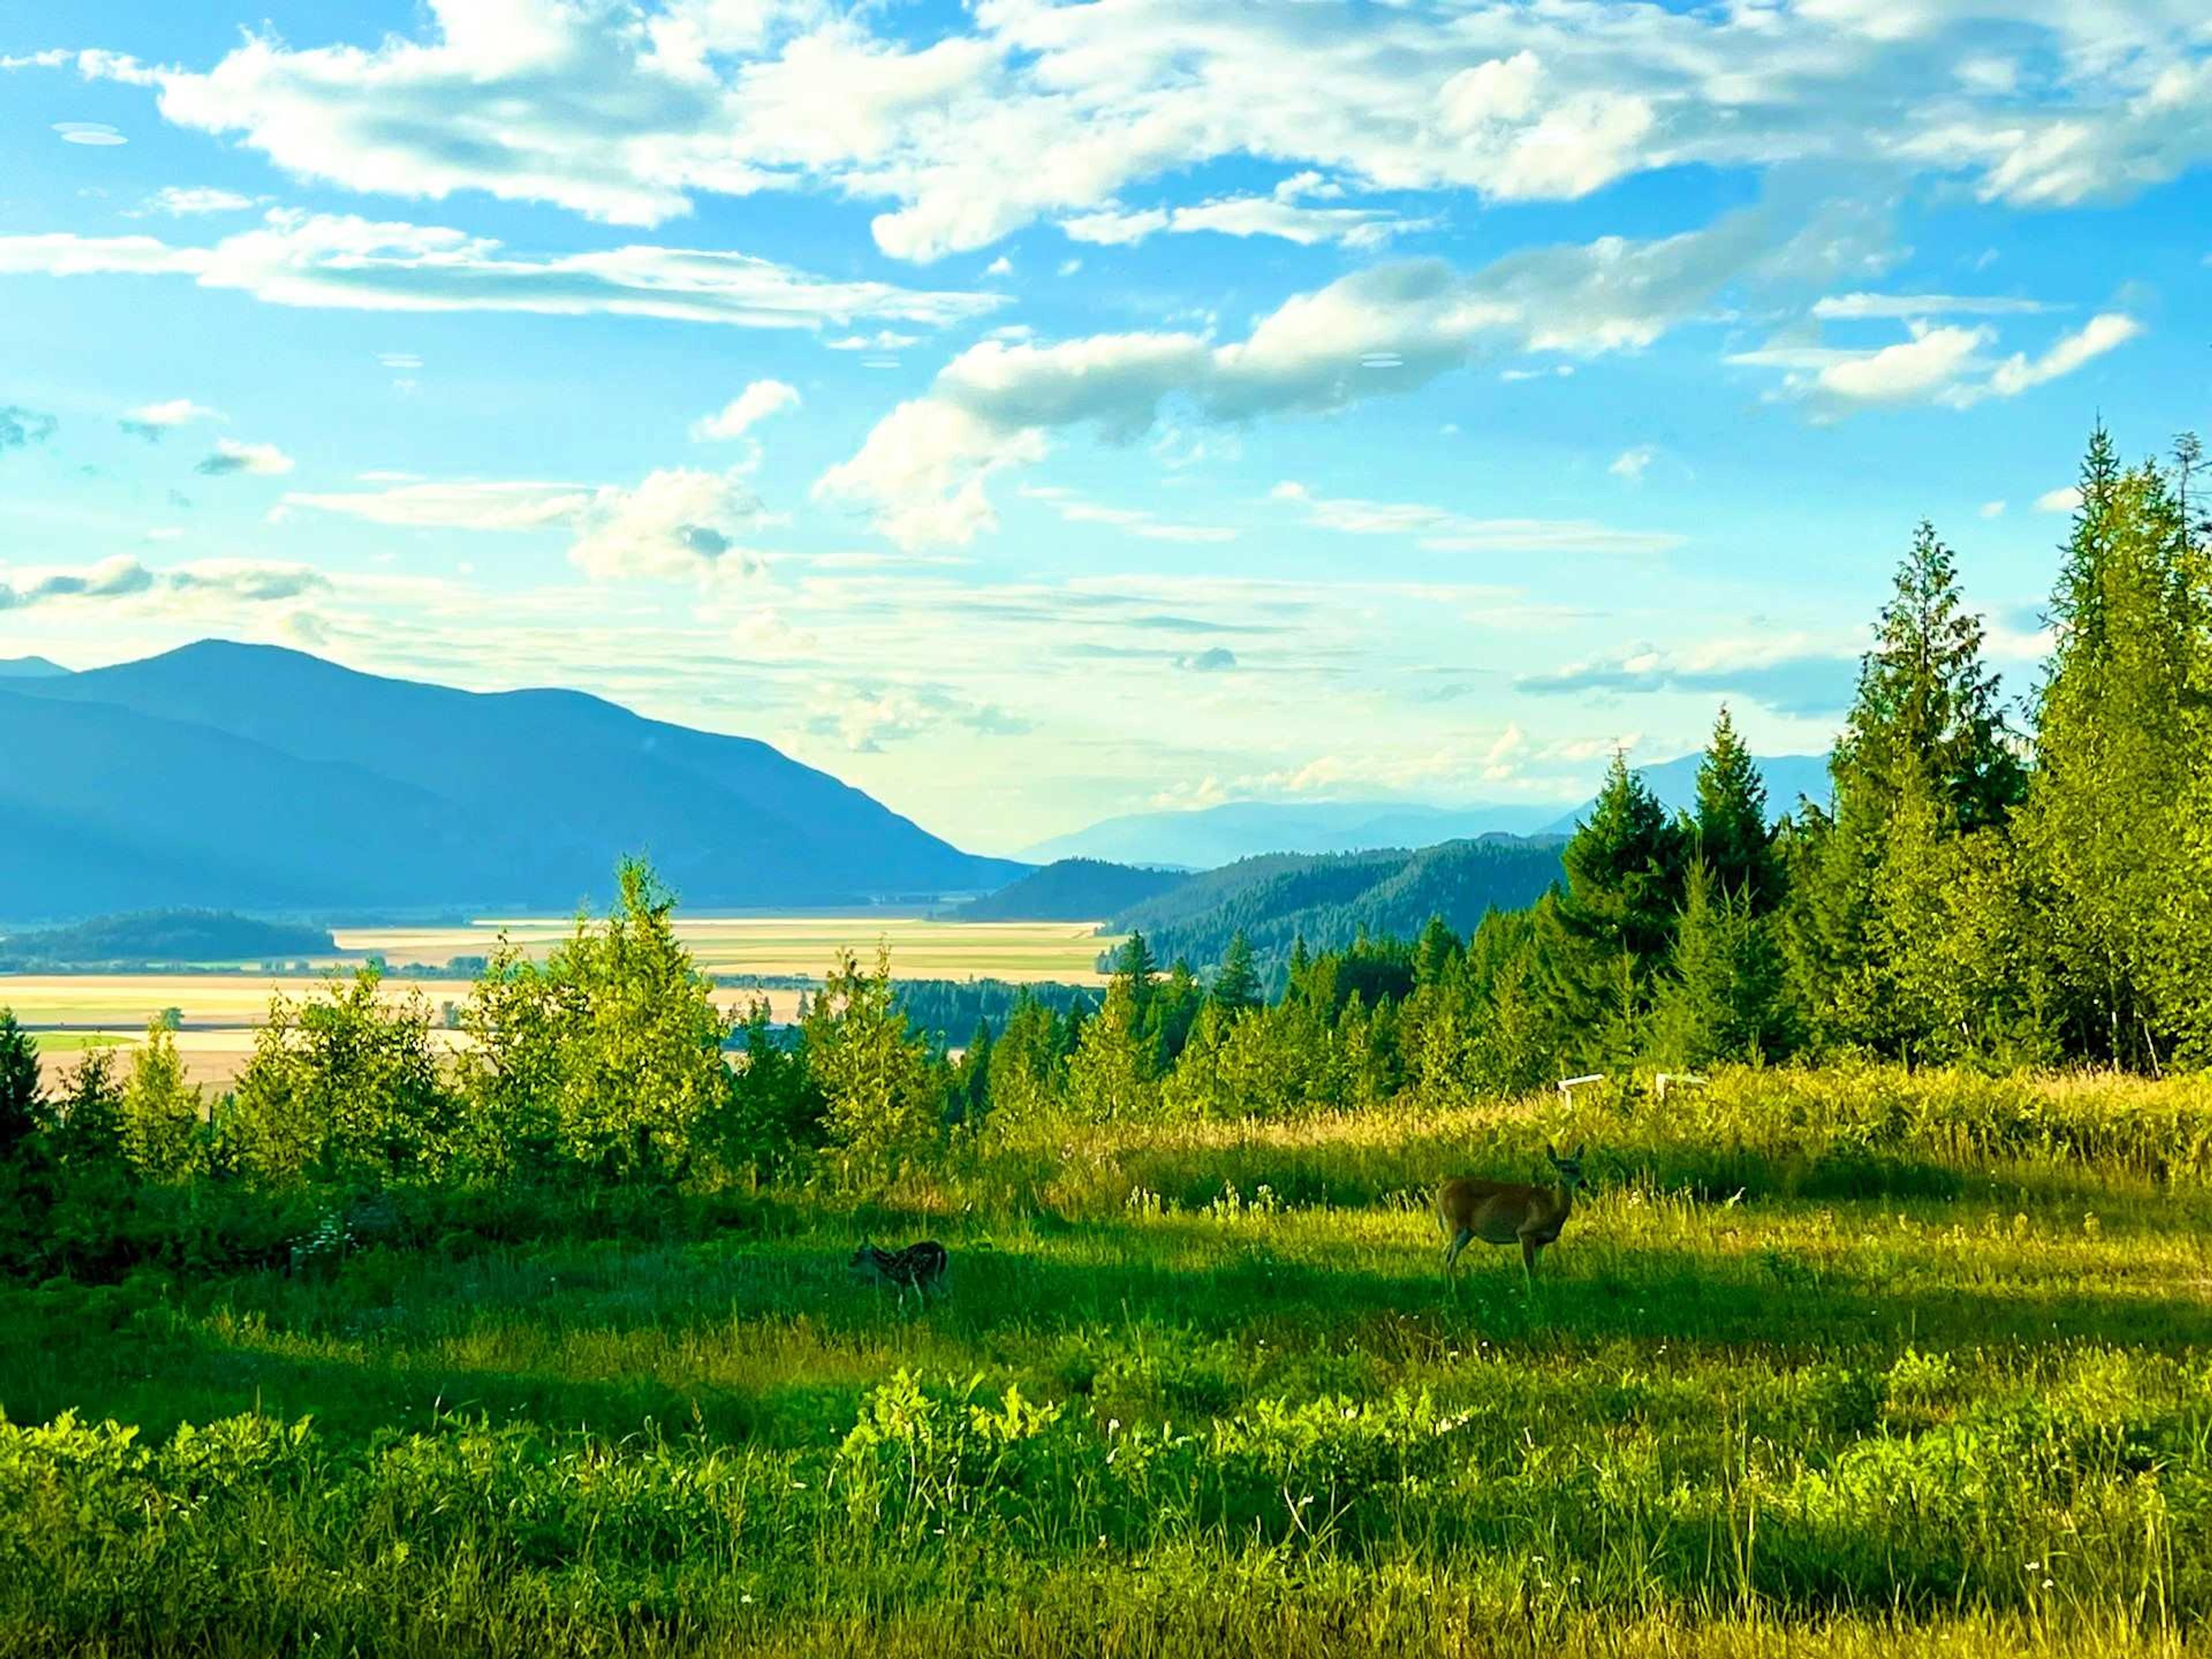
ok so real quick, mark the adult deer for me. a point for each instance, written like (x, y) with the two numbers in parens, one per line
(1505, 1213)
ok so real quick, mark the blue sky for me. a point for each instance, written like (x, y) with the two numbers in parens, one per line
(1034, 412)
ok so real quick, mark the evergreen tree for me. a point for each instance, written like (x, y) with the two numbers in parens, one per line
(1435, 952)
(1237, 981)
(22, 1103)
(1723, 996)
(1926, 755)
(1732, 837)
(1133, 964)
(1625, 870)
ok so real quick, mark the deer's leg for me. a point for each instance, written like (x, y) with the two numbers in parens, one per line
(1529, 1248)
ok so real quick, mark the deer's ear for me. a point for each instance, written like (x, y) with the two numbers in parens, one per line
(1580, 1150)
(1551, 1151)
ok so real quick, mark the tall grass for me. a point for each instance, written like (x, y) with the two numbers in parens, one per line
(1833, 1363)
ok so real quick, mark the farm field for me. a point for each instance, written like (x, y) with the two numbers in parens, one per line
(1190, 1390)
(220, 1011)
(921, 947)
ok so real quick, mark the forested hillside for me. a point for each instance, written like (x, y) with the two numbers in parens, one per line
(1073, 890)
(1329, 901)
(168, 936)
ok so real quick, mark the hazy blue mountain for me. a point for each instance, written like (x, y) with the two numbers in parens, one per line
(29, 668)
(1073, 890)
(250, 777)
(1675, 783)
(1214, 836)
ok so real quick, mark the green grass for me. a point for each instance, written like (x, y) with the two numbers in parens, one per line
(1864, 1396)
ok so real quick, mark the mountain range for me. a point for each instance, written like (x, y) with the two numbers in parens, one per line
(250, 777)
(1207, 837)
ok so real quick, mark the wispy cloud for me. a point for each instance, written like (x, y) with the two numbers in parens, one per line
(338, 261)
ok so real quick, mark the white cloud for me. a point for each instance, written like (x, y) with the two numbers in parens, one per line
(679, 523)
(178, 202)
(458, 506)
(1001, 266)
(2065, 500)
(1135, 520)
(1946, 364)
(1281, 214)
(95, 133)
(230, 456)
(868, 718)
(1385, 329)
(1025, 109)
(2101, 334)
(123, 579)
(328, 260)
(759, 400)
(1930, 362)
(765, 634)
(883, 339)
(1440, 530)
(1633, 464)
(920, 472)
(1903, 306)
(151, 421)
(1992, 509)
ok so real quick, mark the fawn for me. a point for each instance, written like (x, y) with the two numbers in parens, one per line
(1504, 1213)
(919, 1266)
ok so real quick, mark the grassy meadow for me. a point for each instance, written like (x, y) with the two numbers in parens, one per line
(1834, 1363)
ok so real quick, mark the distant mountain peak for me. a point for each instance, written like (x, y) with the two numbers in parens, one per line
(291, 781)
(30, 668)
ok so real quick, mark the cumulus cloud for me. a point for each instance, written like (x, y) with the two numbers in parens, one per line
(759, 400)
(151, 421)
(229, 456)
(679, 522)
(2067, 498)
(20, 428)
(339, 261)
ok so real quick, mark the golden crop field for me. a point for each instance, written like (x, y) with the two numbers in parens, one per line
(921, 947)
(219, 1012)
